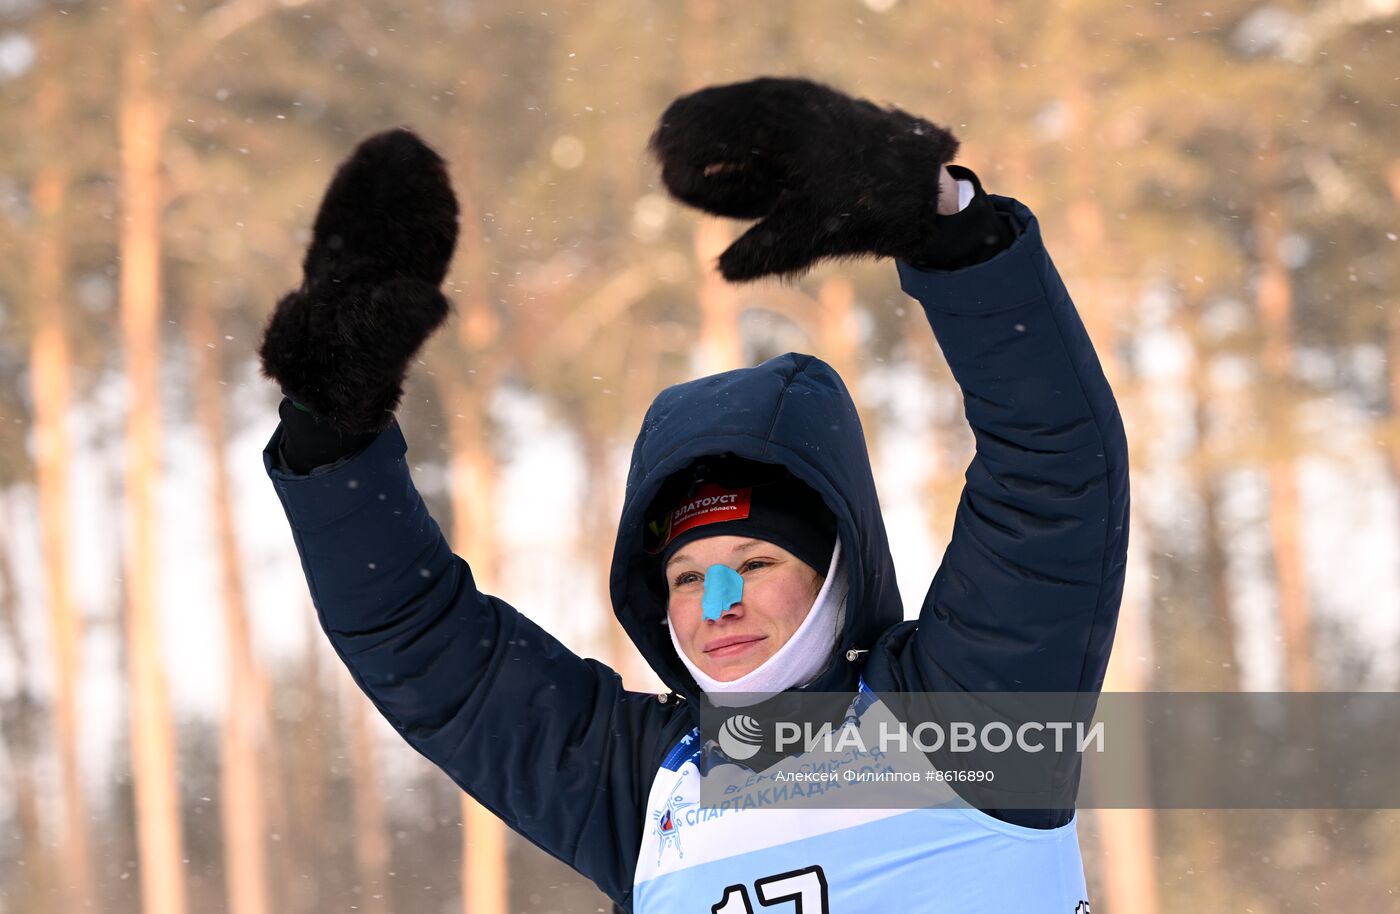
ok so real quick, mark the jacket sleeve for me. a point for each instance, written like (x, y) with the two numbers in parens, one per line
(1027, 595)
(549, 742)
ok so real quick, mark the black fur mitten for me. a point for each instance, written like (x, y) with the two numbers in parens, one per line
(341, 343)
(829, 175)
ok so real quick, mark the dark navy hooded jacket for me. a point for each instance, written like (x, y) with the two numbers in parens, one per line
(1025, 599)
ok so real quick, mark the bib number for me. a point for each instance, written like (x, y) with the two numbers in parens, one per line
(806, 887)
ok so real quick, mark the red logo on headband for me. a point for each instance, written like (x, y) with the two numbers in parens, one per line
(711, 504)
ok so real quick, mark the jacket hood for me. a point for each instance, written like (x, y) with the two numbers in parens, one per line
(792, 411)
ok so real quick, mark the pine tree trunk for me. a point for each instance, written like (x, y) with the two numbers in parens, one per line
(1129, 836)
(598, 544)
(51, 373)
(39, 885)
(152, 730)
(242, 778)
(35, 887)
(838, 344)
(1275, 302)
(306, 848)
(1393, 345)
(1222, 627)
(721, 346)
(1223, 669)
(371, 823)
(837, 330)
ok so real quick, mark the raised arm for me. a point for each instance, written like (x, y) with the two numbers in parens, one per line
(1029, 589)
(1027, 596)
(549, 742)
(1028, 592)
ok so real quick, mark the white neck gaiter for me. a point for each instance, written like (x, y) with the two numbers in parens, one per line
(798, 661)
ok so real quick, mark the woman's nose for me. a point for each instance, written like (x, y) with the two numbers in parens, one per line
(735, 609)
(723, 588)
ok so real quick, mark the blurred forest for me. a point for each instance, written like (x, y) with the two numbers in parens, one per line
(1219, 183)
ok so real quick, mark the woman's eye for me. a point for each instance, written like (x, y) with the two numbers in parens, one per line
(756, 563)
(684, 578)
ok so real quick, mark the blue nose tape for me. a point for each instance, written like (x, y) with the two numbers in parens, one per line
(723, 588)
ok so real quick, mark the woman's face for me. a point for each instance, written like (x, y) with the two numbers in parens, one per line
(779, 590)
